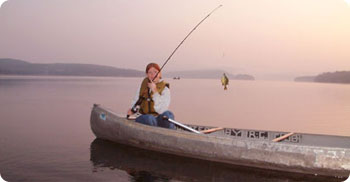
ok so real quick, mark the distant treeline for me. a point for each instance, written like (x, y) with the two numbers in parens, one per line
(334, 77)
(19, 67)
(328, 77)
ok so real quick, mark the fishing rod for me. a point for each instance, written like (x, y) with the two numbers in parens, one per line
(139, 101)
(171, 55)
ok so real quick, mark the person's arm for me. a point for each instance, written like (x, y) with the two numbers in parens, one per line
(161, 101)
(134, 100)
(136, 97)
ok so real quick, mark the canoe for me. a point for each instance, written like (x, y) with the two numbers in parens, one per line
(302, 153)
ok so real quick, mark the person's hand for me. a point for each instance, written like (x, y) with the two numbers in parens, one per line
(153, 87)
(129, 113)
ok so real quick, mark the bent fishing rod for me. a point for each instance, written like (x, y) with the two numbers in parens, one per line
(134, 109)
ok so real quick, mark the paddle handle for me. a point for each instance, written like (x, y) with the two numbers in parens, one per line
(283, 137)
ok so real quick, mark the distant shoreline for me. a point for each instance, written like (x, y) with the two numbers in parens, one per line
(340, 77)
(2, 76)
(19, 67)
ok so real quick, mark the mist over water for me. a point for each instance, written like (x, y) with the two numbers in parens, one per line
(45, 132)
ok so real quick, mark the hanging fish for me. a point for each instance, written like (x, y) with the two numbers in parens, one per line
(224, 81)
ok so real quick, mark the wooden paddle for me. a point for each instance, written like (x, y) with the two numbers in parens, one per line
(182, 125)
(212, 130)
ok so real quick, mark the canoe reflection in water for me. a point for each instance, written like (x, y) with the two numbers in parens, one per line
(145, 165)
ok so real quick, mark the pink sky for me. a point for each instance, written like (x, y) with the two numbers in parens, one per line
(266, 38)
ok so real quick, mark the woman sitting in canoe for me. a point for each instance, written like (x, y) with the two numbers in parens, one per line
(154, 99)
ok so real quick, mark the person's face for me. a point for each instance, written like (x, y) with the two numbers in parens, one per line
(152, 73)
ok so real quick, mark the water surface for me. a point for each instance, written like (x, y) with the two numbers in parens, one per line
(45, 133)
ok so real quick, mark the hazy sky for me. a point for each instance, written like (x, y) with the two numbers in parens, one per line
(264, 38)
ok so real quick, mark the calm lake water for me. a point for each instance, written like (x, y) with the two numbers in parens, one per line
(45, 132)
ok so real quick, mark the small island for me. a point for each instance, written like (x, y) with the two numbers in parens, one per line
(243, 77)
(328, 77)
(334, 77)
